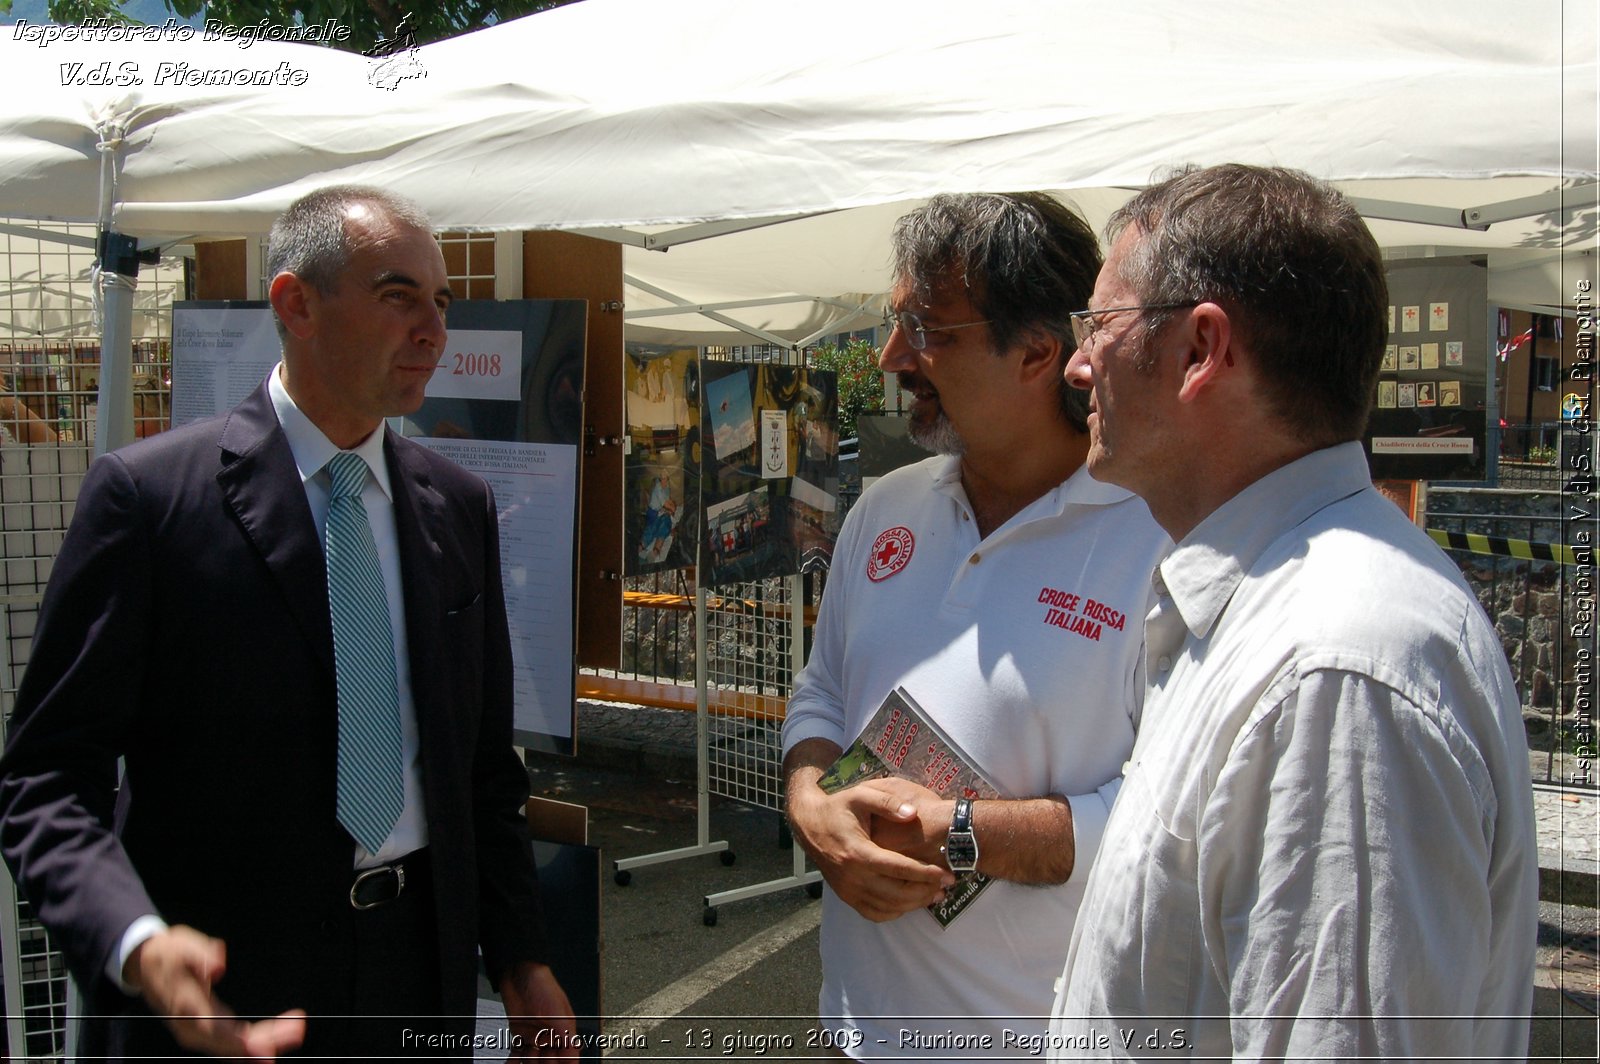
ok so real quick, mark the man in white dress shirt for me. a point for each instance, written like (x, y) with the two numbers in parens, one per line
(1324, 845)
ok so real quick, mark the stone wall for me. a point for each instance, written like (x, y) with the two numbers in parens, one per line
(1536, 606)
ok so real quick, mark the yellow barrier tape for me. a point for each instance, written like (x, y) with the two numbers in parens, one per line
(1507, 548)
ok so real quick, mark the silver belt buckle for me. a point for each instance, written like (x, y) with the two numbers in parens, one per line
(397, 871)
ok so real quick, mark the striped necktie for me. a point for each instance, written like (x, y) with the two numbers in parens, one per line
(371, 793)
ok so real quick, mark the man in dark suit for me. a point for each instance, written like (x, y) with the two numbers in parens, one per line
(188, 629)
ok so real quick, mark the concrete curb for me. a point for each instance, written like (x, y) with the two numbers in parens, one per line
(643, 740)
(636, 756)
(1568, 823)
(1569, 880)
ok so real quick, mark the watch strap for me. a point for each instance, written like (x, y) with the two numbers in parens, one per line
(961, 845)
(961, 817)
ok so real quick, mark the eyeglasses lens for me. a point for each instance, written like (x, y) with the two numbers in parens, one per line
(910, 325)
(1082, 328)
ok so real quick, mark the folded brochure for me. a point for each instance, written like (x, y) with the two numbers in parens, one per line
(902, 740)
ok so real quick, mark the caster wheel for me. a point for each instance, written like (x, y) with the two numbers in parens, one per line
(709, 916)
(623, 877)
(814, 890)
(726, 857)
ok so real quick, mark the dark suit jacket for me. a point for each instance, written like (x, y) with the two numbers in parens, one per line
(186, 628)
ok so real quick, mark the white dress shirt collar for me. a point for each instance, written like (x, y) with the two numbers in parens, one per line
(310, 445)
(1202, 572)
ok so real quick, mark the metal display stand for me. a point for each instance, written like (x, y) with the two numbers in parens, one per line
(623, 869)
(749, 645)
(799, 877)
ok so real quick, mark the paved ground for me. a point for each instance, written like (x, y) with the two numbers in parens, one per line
(1566, 981)
(746, 987)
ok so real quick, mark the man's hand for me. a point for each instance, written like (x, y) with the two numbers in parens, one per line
(836, 831)
(536, 1004)
(175, 971)
(921, 834)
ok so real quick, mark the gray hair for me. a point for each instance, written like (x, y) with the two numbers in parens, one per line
(1294, 265)
(309, 238)
(1026, 260)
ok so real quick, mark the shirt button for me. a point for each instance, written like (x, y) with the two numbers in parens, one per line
(975, 559)
(1164, 664)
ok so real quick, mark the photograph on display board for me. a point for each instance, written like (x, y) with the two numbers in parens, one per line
(770, 479)
(661, 470)
(1429, 419)
(733, 425)
(738, 534)
(657, 539)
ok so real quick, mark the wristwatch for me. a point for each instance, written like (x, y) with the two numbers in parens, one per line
(961, 845)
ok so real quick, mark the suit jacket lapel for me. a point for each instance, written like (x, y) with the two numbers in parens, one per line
(262, 485)
(418, 520)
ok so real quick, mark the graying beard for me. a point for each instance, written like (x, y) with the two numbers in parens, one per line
(940, 437)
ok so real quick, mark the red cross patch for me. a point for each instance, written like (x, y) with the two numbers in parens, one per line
(890, 553)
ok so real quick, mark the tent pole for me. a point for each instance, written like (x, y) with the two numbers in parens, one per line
(749, 330)
(115, 276)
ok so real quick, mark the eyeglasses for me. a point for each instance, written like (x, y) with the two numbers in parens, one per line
(1085, 323)
(915, 332)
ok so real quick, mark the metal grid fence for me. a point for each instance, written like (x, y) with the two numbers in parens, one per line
(658, 644)
(49, 391)
(752, 656)
(36, 986)
(38, 484)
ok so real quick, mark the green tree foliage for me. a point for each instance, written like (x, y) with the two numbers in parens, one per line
(71, 11)
(368, 20)
(860, 380)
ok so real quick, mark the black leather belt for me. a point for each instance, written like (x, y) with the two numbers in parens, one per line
(383, 884)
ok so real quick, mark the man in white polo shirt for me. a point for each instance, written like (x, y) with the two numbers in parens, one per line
(1003, 588)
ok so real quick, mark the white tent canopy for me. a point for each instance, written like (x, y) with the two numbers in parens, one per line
(696, 123)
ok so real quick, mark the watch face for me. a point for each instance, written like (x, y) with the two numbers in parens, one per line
(961, 852)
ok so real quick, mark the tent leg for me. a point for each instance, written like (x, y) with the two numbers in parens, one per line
(114, 411)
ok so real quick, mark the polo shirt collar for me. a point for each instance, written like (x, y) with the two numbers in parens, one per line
(1080, 489)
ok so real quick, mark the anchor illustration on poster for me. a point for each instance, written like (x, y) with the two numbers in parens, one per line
(774, 444)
